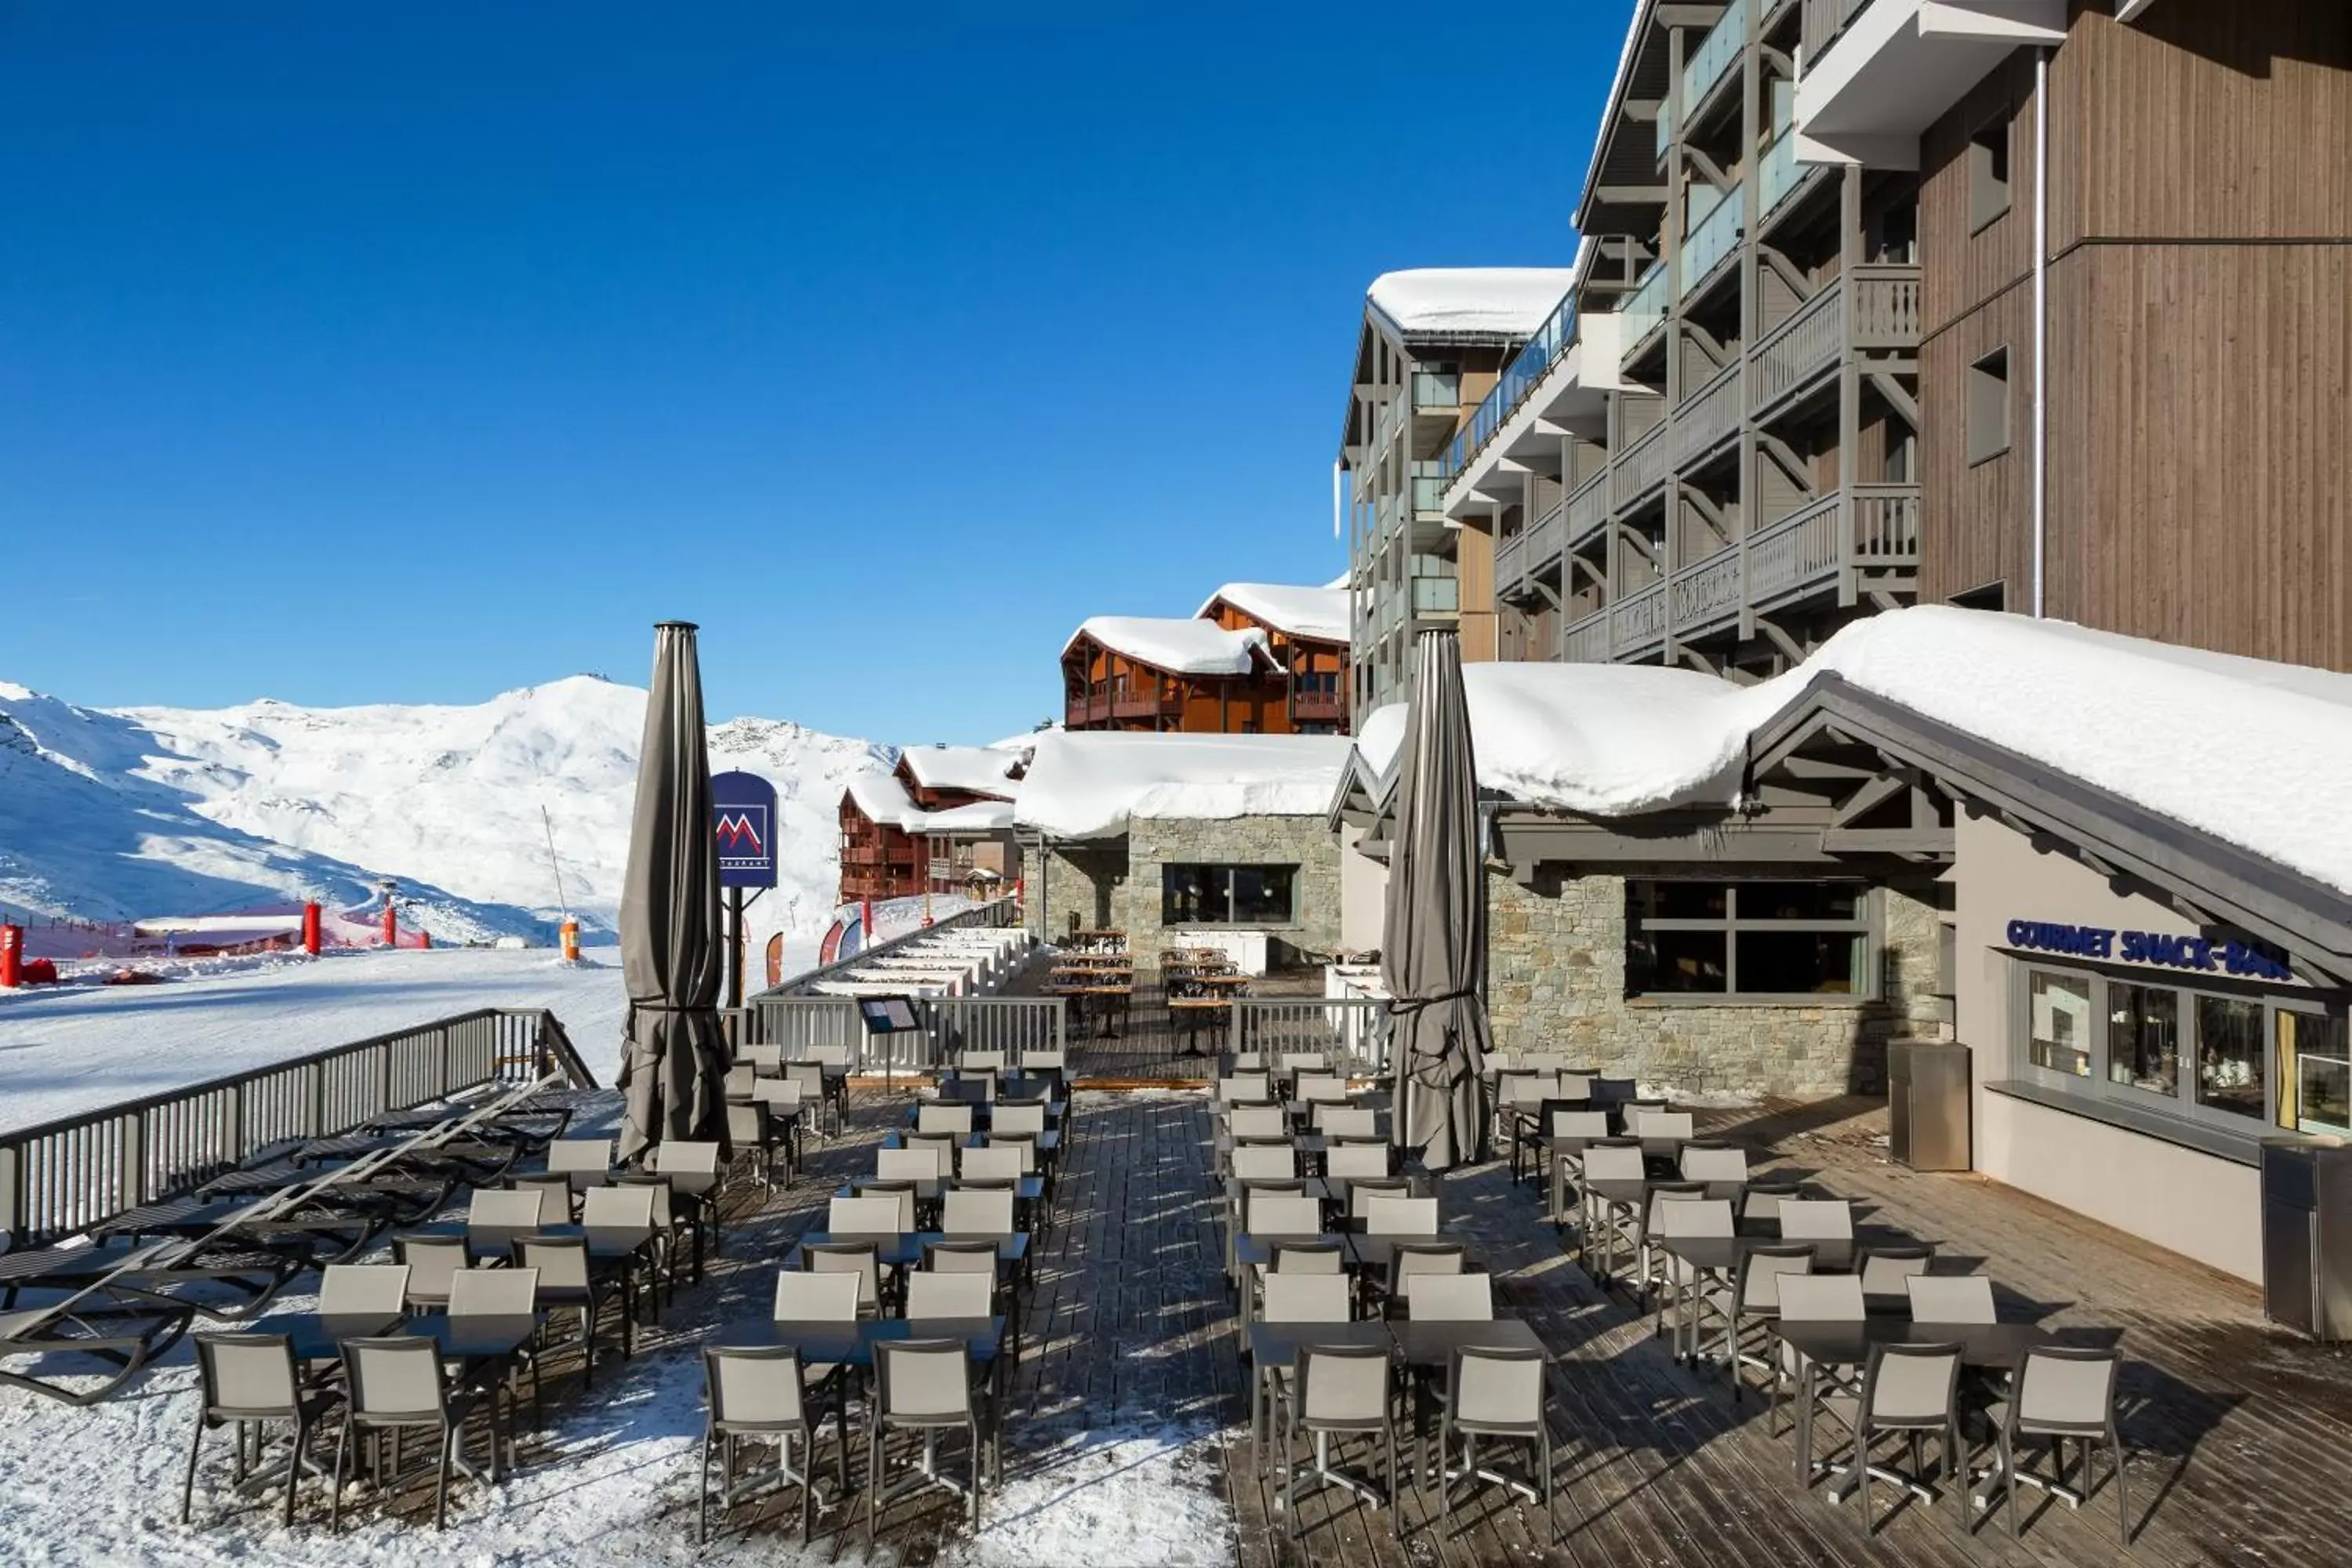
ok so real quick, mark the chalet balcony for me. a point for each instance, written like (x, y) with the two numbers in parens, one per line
(1866, 538)
(1874, 310)
(1879, 73)
(1318, 708)
(1118, 706)
(861, 854)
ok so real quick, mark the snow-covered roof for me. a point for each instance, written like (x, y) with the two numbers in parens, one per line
(883, 799)
(1088, 783)
(978, 770)
(1178, 646)
(1320, 614)
(1469, 301)
(2255, 753)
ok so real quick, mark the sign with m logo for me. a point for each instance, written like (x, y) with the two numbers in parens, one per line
(743, 818)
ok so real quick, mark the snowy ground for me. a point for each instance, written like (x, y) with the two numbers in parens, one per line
(76, 1047)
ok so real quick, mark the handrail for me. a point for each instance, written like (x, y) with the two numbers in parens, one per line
(68, 1173)
(995, 912)
(1529, 365)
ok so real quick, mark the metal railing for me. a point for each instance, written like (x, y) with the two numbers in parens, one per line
(63, 1176)
(1529, 365)
(995, 912)
(814, 1027)
(1708, 241)
(1824, 20)
(1716, 54)
(1352, 1031)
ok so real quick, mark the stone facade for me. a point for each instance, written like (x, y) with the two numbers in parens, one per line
(1556, 981)
(1115, 883)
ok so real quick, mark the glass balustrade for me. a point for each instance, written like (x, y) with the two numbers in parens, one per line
(1716, 53)
(1710, 240)
(1528, 366)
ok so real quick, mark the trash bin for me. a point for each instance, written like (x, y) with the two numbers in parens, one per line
(2307, 1235)
(1927, 1104)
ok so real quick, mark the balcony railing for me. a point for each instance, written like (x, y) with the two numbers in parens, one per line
(1797, 349)
(1436, 389)
(1643, 465)
(1429, 485)
(1663, 130)
(1588, 507)
(1541, 539)
(1779, 173)
(1528, 366)
(1510, 555)
(1436, 596)
(1708, 416)
(1645, 307)
(1639, 619)
(1886, 307)
(1587, 641)
(1707, 595)
(1716, 53)
(1824, 20)
(1708, 241)
(1793, 553)
(1886, 525)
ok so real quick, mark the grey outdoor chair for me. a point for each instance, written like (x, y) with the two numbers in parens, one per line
(1408, 1258)
(972, 1211)
(1450, 1297)
(1885, 1269)
(246, 1381)
(1753, 1299)
(926, 1386)
(1951, 1298)
(932, 1294)
(762, 1393)
(1497, 1395)
(1338, 1390)
(1356, 1159)
(360, 1287)
(396, 1385)
(431, 1261)
(2061, 1392)
(1815, 1299)
(848, 1258)
(557, 1207)
(569, 1281)
(752, 1136)
(1910, 1391)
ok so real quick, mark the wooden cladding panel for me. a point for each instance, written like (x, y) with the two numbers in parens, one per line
(1976, 520)
(2203, 119)
(2201, 458)
(1962, 266)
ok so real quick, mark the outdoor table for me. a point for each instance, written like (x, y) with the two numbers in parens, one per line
(319, 1336)
(927, 1188)
(1433, 1344)
(1416, 1186)
(1309, 1187)
(1275, 1346)
(1192, 1014)
(1984, 1347)
(1557, 1151)
(1374, 1254)
(853, 1343)
(904, 1249)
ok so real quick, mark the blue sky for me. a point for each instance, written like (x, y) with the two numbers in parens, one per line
(370, 352)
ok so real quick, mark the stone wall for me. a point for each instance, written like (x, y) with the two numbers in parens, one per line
(1117, 881)
(1556, 981)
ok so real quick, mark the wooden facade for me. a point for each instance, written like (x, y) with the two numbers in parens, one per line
(1315, 671)
(2199, 283)
(1103, 688)
(885, 860)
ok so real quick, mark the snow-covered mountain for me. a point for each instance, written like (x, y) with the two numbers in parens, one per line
(137, 813)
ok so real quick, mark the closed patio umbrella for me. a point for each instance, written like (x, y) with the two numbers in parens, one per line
(1433, 936)
(674, 1062)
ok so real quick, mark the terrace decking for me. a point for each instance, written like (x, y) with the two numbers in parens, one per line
(2239, 1437)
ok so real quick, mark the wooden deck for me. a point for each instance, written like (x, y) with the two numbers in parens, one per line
(2239, 1437)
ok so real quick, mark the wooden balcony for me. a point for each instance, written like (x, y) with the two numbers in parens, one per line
(1102, 709)
(1318, 708)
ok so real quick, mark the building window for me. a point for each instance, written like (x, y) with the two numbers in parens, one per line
(2058, 1037)
(1988, 174)
(1988, 412)
(1227, 895)
(2144, 1039)
(2229, 1056)
(2228, 1059)
(2314, 1071)
(1758, 941)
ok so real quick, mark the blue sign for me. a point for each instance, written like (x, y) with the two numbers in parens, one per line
(2199, 952)
(743, 815)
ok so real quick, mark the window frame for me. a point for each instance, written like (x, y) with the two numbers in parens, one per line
(1224, 871)
(1979, 449)
(1984, 210)
(1865, 924)
(2183, 1103)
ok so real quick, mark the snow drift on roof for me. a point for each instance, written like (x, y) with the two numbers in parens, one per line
(1318, 613)
(979, 770)
(1088, 785)
(1506, 302)
(885, 800)
(1178, 646)
(2253, 752)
